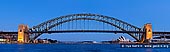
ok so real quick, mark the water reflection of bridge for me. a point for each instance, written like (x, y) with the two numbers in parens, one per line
(84, 23)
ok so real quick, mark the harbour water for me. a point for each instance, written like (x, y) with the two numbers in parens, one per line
(75, 48)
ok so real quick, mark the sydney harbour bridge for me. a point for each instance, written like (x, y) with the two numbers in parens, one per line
(71, 24)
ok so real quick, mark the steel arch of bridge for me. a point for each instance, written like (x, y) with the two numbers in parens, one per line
(124, 26)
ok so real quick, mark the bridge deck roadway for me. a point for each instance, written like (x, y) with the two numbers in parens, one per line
(98, 31)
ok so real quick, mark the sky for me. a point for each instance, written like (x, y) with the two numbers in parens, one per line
(34, 12)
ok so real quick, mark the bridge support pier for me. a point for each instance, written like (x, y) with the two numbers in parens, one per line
(148, 33)
(22, 36)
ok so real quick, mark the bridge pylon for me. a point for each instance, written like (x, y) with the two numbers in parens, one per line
(147, 36)
(22, 36)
